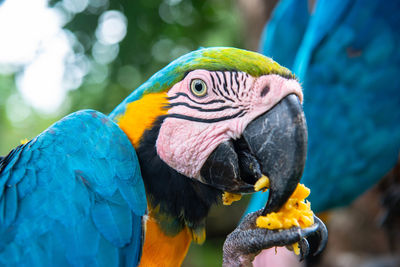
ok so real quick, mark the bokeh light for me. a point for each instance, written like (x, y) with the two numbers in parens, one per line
(112, 27)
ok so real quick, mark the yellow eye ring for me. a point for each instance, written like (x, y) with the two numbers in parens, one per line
(198, 87)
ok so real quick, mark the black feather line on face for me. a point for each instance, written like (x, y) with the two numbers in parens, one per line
(200, 108)
(194, 101)
(185, 200)
(239, 114)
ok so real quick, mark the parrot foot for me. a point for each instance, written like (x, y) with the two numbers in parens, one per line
(247, 240)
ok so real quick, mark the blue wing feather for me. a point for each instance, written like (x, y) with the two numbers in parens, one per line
(73, 195)
(290, 18)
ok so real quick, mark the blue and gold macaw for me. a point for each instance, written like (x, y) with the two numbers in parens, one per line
(211, 121)
(345, 54)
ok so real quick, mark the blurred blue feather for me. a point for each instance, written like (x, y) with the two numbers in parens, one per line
(345, 55)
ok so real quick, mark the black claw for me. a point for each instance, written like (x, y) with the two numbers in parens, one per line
(248, 240)
(304, 248)
(322, 233)
(305, 232)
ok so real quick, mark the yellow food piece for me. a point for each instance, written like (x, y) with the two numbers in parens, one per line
(262, 183)
(296, 248)
(296, 212)
(228, 198)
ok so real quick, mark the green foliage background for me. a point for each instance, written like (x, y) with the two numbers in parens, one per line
(157, 32)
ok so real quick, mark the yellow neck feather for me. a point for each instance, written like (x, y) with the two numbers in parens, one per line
(141, 114)
(159, 249)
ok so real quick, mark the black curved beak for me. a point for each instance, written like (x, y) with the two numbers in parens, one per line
(274, 144)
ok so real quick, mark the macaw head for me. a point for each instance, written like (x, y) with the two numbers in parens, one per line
(223, 117)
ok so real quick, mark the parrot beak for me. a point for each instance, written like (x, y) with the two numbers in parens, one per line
(274, 144)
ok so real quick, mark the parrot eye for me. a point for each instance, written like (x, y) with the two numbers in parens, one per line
(198, 87)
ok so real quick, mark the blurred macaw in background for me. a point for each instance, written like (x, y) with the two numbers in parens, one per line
(345, 53)
(76, 194)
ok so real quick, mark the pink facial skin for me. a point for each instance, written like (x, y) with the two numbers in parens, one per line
(195, 126)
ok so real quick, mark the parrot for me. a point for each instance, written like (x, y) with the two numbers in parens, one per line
(345, 54)
(134, 187)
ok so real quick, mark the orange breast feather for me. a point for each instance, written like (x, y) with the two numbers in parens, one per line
(162, 250)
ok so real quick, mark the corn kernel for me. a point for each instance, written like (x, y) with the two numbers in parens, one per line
(296, 212)
(228, 198)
